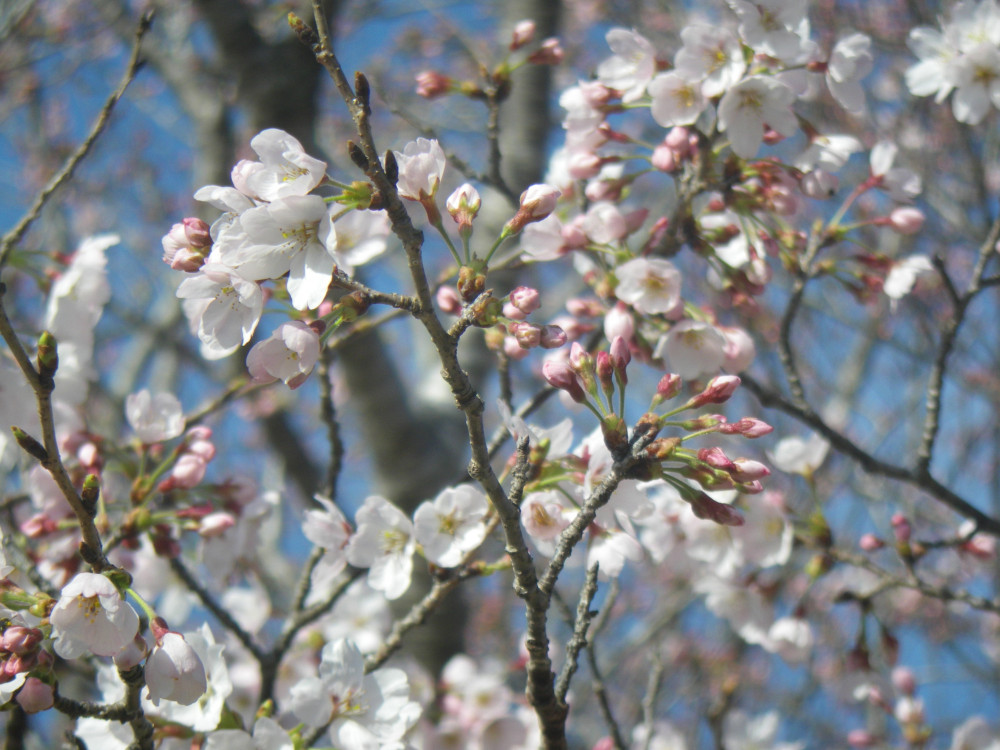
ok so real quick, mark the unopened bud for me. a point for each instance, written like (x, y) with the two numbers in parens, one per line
(661, 448)
(668, 387)
(748, 427)
(30, 446)
(89, 493)
(718, 391)
(471, 282)
(550, 53)
(552, 337)
(357, 156)
(559, 374)
(537, 202)
(448, 300)
(524, 33)
(711, 510)
(615, 434)
(48, 355)
(432, 84)
(486, 311)
(528, 335)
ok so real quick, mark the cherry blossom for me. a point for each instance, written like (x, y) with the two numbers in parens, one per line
(267, 735)
(631, 67)
(677, 98)
(693, 348)
(421, 166)
(384, 543)
(92, 617)
(711, 55)
(904, 274)
(291, 235)
(154, 418)
(651, 286)
(223, 308)
(750, 105)
(173, 671)
(452, 525)
(372, 707)
(288, 355)
(850, 61)
(284, 169)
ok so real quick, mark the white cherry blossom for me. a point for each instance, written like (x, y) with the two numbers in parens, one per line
(174, 672)
(712, 55)
(631, 67)
(421, 167)
(154, 418)
(750, 105)
(288, 355)
(651, 286)
(452, 525)
(291, 235)
(92, 617)
(677, 98)
(850, 61)
(284, 169)
(384, 543)
(223, 308)
(693, 348)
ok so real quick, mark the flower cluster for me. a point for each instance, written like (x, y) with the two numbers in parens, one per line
(961, 59)
(273, 226)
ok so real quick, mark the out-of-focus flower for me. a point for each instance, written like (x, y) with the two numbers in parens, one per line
(154, 418)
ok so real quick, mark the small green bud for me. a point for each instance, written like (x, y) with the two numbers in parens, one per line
(48, 356)
(31, 446)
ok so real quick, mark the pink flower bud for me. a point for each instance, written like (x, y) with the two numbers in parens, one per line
(748, 427)
(748, 470)
(870, 543)
(582, 165)
(904, 680)
(35, 696)
(907, 220)
(513, 349)
(559, 374)
(605, 743)
(677, 140)
(463, 205)
(537, 202)
(574, 237)
(524, 33)
(431, 84)
(579, 359)
(663, 158)
(718, 390)
(509, 311)
(901, 527)
(605, 370)
(448, 300)
(187, 472)
(620, 355)
(669, 386)
(710, 510)
(586, 308)
(528, 335)
(619, 323)
(215, 524)
(525, 299)
(716, 458)
(552, 337)
(550, 53)
(17, 639)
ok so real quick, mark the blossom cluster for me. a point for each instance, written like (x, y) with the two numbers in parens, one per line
(961, 59)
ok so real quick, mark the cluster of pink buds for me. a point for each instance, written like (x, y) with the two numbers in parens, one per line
(187, 244)
(189, 469)
(678, 146)
(20, 652)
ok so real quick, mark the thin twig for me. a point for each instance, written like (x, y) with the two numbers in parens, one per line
(11, 238)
